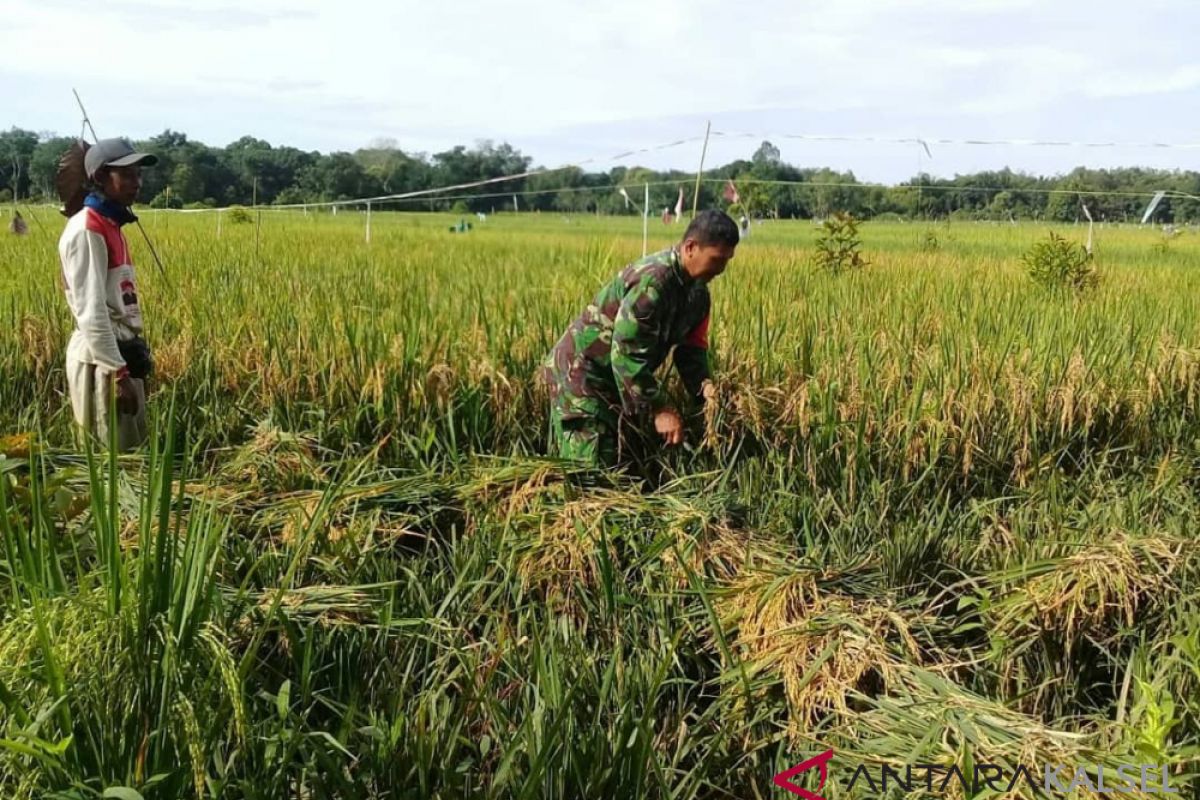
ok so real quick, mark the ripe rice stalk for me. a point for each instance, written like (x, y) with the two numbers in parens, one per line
(798, 631)
(1094, 592)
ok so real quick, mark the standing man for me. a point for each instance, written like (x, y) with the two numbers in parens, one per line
(106, 357)
(18, 227)
(601, 372)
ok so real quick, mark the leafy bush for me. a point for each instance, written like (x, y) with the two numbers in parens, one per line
(1059, 264)
(238, 215)
(166, 200)
(930, 242)
(838, 245)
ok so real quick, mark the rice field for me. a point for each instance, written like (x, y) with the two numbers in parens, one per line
(938, 515)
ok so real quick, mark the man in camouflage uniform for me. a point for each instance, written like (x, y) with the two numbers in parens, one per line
(601, 372)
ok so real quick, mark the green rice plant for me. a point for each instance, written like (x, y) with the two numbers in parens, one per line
(935, 511)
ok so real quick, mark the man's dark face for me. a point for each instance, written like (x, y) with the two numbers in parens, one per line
(121, 184)
(705, 262)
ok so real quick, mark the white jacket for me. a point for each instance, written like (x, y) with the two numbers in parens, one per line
(101, 289)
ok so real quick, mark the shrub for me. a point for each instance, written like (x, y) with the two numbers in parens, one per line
(838, 245)
(238, 215)
(930, 242)
(165, 200)
(1059, 264)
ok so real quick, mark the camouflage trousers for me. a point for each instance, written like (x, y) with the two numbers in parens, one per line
(591, 440)
(600, 437)
(588, 427)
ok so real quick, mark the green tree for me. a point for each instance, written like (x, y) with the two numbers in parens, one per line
(485, 161)
(766, 153)
(43, 164)
(16, 151)
(186, 183)
(397, 172)
(338, 176)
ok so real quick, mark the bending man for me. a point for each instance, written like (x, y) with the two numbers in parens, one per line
(601, 372)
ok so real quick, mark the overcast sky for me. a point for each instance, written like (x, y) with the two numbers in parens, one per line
(567, 80)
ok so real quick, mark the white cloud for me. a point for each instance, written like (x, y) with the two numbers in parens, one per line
(1140, 81)
(328, 76)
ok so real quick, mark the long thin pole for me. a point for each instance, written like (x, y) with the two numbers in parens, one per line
(646, 221)
(257, 220)
(920, 183)
(86, 120)
(700, 172)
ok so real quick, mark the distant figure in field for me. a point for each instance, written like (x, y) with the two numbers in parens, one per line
(604, 394)
(106, 356)
(18, 227)
(745, 223)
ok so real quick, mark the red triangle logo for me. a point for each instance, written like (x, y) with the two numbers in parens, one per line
(783, 779)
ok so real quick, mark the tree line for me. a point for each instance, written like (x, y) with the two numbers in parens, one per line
(252, 171)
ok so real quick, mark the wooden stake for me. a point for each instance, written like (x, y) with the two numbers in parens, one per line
(646, 220)
(700, 172)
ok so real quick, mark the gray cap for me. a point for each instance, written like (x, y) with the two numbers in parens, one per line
(114, 153)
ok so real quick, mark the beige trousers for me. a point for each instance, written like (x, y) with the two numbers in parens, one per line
(92, 389)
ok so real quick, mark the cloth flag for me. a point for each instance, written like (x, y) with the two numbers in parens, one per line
(1091, 225)
(1158, 198)
(731, 192)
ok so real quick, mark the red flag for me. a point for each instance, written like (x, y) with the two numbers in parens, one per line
(731, 192)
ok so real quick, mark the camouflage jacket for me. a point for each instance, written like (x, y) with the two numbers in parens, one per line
(605, 362)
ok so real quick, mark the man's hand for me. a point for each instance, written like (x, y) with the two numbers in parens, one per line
(127, 399)
(669, 425)
(708, 390)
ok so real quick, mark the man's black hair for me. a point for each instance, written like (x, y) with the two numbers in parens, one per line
(712, 227)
